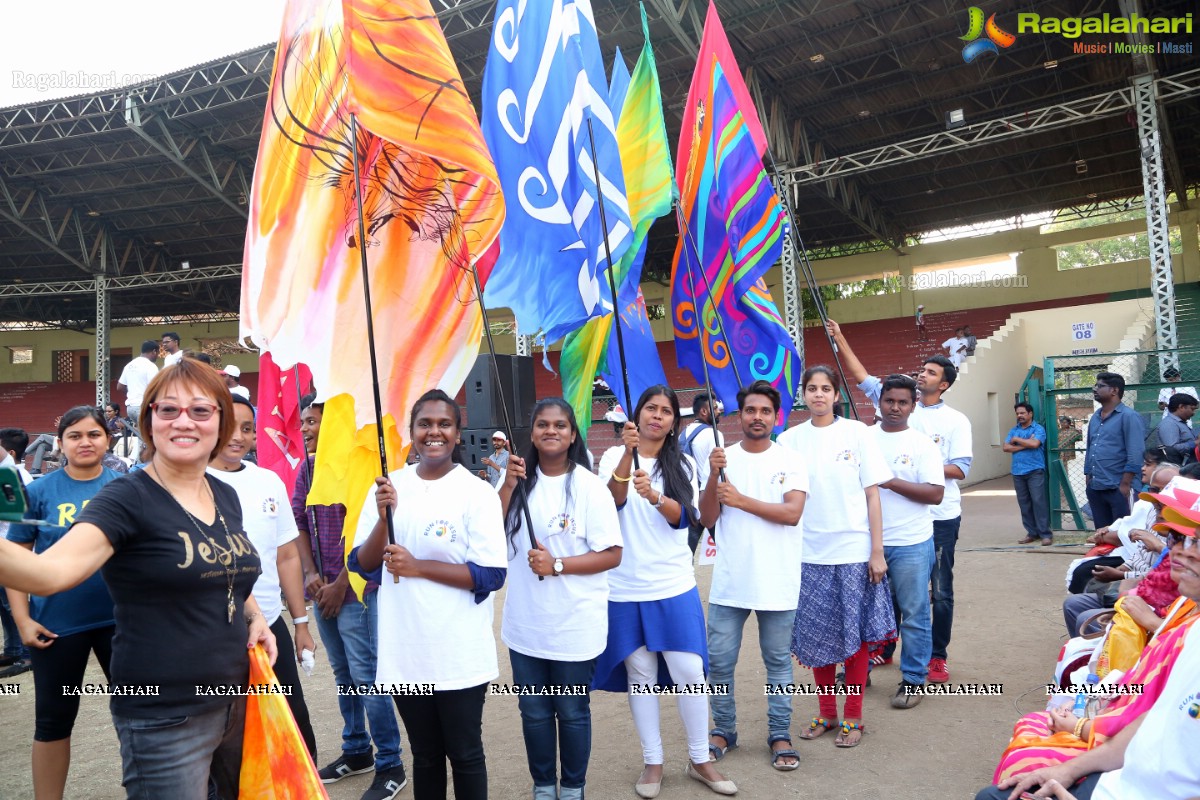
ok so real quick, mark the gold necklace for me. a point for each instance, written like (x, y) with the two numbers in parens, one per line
(232, 550)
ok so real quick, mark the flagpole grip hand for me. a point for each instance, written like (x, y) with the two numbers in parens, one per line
(515, 471)
(629, 437)
(641, 484)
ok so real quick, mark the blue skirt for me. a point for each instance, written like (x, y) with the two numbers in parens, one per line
(839, 611)
(675, 624)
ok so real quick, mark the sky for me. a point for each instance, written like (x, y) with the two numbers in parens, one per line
(114, 42)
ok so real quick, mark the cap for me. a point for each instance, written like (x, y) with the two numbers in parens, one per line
(500, 435)
(1172, 520)
(232, 371)
(920, 306)
(1180, 494)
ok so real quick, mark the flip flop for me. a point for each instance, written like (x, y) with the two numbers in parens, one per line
(715, 752)
(787, 752)
(846, 730)
(817, 728)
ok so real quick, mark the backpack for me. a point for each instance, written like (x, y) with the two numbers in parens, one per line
(685, 446)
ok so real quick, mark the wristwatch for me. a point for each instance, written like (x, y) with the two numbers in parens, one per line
(558, 566)
(662, 498)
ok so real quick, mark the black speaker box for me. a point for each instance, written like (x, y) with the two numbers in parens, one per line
(477, 445)
(484, 394)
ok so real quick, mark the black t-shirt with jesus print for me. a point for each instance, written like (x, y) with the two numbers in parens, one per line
(169, 586)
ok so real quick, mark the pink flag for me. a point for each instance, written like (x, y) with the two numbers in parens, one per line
(280, 447)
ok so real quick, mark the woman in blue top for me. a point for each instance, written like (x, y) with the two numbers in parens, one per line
(62, 629)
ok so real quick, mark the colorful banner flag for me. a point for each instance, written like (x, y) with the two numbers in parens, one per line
(543, 82)
(734, 231)
(280, 447)
(646, 162)
(431, 206)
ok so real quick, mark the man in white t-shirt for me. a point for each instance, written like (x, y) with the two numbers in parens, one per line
(698, 440)
(232, 376)
(136, 377)
(1164, 394)
(906, 500)
(957, 347)
(754, 496)
(170, 346)
(951, 432)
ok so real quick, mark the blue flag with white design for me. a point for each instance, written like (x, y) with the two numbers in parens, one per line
(543, 82)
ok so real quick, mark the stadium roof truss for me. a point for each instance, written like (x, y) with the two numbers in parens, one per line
(147, 185)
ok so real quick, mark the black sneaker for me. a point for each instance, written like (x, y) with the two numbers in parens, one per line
(18, 667)
(907, 695)
(387, 784)
(347, 765)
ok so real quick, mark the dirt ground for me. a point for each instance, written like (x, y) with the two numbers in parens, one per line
(1008, 630)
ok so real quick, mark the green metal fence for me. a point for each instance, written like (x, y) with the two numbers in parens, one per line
(1063, 388)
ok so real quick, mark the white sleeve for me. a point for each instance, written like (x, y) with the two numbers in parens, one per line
(796, 477)
(873, 469)
(609, 461)
(960, 439)
(602, 526)
(485, 529)
(367, 519)
(285, 521)
(929, 462)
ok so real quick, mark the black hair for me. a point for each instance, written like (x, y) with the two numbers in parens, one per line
(576, 456)
(1161, 455)
(14, 439)
(897, 381)
(1027, 406)
(80, 413)
(1181, 399)
(700, 402)
(438, 396)
(197, 355)
(760, 387)
(676, 471)
(171, 335)
(310, 401)
(1114, 380)
(828, 372)
(1170, 373)
(1191, 471)
(150, 346)
(949, 371)
(115, 406)
(238, 400)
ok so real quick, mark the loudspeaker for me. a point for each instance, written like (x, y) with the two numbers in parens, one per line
(484, 396)
(477, 445)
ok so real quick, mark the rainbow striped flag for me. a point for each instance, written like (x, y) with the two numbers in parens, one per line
(734, 228)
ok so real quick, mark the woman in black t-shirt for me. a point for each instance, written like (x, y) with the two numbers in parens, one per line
(170, 544)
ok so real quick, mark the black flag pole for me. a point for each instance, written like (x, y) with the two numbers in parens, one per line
(362, 252)
(612, 284)
(522, 497)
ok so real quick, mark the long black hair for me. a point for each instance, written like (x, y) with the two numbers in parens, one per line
(435, 396)
(576, 456)
(677, 473)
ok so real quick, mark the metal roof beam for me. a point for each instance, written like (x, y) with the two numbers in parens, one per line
(192, 275)
(18, 214)
(1060, 115)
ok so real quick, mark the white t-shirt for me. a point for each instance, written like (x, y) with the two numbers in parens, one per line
(956, 345)
(173, 358)
(842, 460)
(430, 632)
(912, 456)
(136, 377)
(758, 562)
(656, 562)
(702, 447)
(1160, 760)
(564, 617)
(268, 521)
(1165, 393)
(951, 432)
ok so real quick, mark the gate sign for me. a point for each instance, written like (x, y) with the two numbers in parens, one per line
(1083, 331)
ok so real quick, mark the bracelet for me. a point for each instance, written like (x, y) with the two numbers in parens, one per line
(302, 620)
(252, 615)
(619, 479)
(662, 498)
(1079, 727)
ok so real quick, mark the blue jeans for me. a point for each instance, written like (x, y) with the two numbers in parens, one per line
(176, 756)
(1081, 791)
(945, 536)
(909, 570)
(1108, 505)
(725, 642)
(351, 644)
(1033, 502)
(13, 646)
(540, 712)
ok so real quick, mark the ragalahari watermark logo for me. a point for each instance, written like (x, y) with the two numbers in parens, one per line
(996, 37)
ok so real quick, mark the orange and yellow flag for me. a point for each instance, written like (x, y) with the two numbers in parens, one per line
(431, 207)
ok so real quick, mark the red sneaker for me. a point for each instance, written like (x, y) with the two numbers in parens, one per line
(938, 672)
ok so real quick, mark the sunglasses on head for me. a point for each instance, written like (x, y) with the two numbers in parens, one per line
(198, 412)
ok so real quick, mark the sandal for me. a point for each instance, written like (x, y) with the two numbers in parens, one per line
(716, 752)
(849, 728)
(787, 752)
(817, 728)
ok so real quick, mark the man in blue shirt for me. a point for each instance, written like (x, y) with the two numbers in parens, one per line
(1174, 432)
(1026, 442)
(1116, 440)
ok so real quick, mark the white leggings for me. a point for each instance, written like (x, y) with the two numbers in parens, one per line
(687, 669)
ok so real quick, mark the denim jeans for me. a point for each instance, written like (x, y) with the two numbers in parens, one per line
(573, 731)
(175, 756)
(12, 634)
(1034, 504)
(352, 647)
(909, 570)
(724, 643)
(1108, 505)
(945, 536)
(446, 725)
(1080, 791)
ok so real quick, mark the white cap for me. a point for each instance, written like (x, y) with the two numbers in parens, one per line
(500, 435)
(232, 371)
(920, 306)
